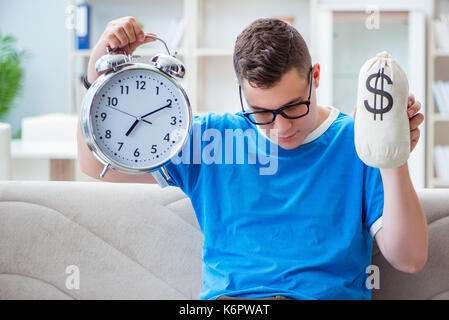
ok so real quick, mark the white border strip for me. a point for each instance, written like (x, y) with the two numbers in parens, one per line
(324, 126)
(376, 226)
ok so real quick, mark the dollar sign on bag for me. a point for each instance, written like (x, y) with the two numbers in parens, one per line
(381, 92)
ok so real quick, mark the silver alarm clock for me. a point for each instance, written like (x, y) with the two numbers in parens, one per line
(135, 117)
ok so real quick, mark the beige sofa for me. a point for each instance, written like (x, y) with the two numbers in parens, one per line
(92, 240)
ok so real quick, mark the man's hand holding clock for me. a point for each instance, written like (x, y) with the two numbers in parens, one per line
(124, 87)
(124, 34)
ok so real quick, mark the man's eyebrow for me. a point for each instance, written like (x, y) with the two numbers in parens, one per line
(299, 99)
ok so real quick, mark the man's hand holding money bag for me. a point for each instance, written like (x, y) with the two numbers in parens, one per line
(387, 119)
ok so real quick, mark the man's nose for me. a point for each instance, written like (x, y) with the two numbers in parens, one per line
(282, 124)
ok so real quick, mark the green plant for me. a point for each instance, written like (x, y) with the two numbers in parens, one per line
(18, 134)
(11, 73)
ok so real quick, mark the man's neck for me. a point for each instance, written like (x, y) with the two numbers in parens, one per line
(322, 115)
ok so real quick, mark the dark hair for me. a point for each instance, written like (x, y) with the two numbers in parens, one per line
(267, 49)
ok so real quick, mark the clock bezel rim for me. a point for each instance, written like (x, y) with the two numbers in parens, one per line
(86, 120)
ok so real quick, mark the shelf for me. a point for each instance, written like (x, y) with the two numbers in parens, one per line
(440, 117)
(207, 42)
(440, 53)
(437, 131)
(440, 182)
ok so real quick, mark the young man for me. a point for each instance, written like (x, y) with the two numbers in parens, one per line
(306, 231)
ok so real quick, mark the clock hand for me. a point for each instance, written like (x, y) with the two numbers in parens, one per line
(128, 114)
(135, 124)
(132, 127)
(146, 121)
(166, 106)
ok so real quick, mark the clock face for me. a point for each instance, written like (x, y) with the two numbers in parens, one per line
(139, 118)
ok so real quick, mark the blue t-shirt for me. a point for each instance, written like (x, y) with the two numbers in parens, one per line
(304, 232)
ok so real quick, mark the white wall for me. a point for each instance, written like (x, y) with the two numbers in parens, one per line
(39, 27)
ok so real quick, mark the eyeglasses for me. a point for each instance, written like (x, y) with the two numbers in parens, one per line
(291, 111)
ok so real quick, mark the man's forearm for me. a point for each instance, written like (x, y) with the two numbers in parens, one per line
(405, 235)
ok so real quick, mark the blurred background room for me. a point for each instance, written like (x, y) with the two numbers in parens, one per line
(45, 46)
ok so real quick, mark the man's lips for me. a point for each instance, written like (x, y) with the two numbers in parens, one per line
(286, 138)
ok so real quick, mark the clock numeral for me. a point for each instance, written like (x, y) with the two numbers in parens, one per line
(141, 85)
(154, 148)
(167, 137)
(112, 101)
(124, 89)
(121, 145)
(173, 122)
(108, 134)
(157, 90)
(136, 153)
(103, 116)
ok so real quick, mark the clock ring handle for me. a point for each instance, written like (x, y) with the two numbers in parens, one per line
(117, 49)
(157, 38)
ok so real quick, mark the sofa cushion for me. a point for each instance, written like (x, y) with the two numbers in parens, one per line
(432, 282)
(129, 241)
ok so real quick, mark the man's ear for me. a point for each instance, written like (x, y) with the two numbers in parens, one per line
(237, 81)
(316, 74)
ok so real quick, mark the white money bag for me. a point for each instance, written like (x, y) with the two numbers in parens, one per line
(382, 128)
